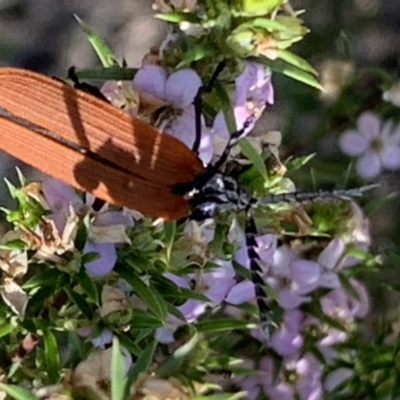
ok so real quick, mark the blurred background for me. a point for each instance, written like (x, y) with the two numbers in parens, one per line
(362, 35)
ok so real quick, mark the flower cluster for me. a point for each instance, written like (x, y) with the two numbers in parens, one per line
(185, 298)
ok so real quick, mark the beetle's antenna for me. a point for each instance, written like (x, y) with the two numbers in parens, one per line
(300, 197)
(233, 139)
(198, 103)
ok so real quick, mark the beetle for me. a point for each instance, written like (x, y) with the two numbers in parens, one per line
(91, 145)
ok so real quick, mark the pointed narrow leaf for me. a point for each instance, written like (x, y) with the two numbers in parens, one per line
(224, 325)
(118, 373)
(99, 45)
(250, 152)
(153, 300)
(52, 357)
(296, 61)
(17, 392)
(142, 364)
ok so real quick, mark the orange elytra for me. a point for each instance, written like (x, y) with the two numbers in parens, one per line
(93, 146)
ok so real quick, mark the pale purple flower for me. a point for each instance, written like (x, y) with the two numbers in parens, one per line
(177, 90)
(254, 91)
(305, 380)
(375, 143)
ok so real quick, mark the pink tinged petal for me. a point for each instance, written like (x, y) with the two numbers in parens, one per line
(331, 255)
(305, 275)
(182, 87)
(390, 158)
(290, 300)
(192, 309)
(286, 343)
(241, 293)
(368, 166)
(353, 143)
(151, 79)
(335, 378)
(369, 125)
(103, 265)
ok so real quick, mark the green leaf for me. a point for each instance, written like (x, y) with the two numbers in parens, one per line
(142, 364)
(150, 296)
(172, 365)
(268, 24)
(17, 392)
(115, 73)
(16, 244)
(176, 17)
(118, 375)
(296, 61)
(99, 45)
(52, 357)
(129, 344)
(169, 235)
(299, 162)
(36, 302)
(250, 152)
(143, 320)
(45, 278)
(224, 325)
(5, 329)
(88, 286)
(284, 68)
(21, 177)
(80, 302)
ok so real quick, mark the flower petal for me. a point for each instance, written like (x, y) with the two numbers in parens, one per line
(353, 143)
(369, 125)
(105, 263)
(151, 79)
(368, 166)
(390, 158)
(182, 87)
